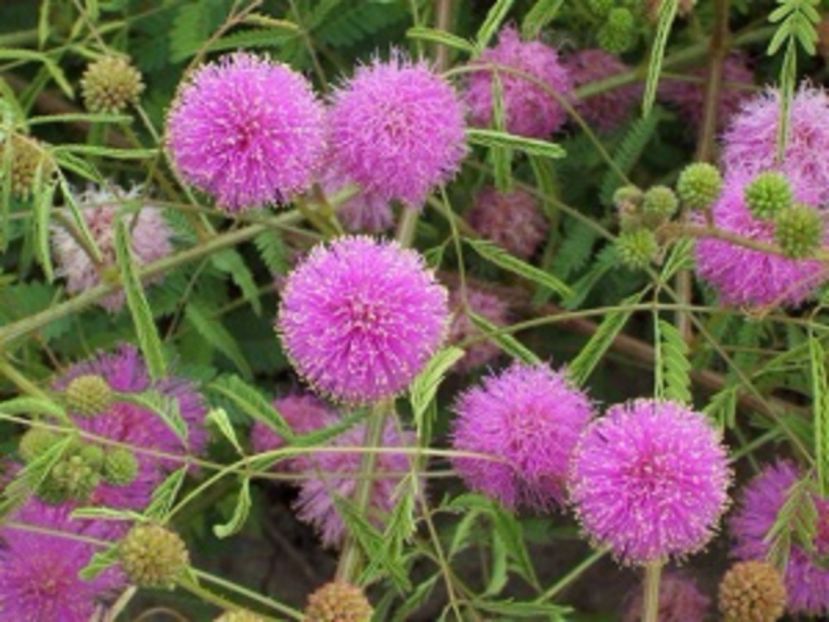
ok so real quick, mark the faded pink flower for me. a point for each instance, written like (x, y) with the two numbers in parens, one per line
(365, 211)
(488, 306)
(513, 220)
(680, 600)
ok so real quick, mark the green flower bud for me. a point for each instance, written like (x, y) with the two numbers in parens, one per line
(71, 478)
(110, 84)
(601, 8)
(769, 194)
(699, 185)
(338, 602)
(659, 204)
(153, 556)
(93, 456)
(240, 615)
(628, 200)
(27, 155)
(637, 249)
(618, 33)
(35, 442)
(799, 231)
(89, 395)
(120, 467)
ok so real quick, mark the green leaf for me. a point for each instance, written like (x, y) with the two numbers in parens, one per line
(542, 13)
(217, 335)
(99, 562)
(43, 22)
(219, 417)
(524, 609)
(667, 14)
(629, 151)
(505, 341)
(106, 152)
(501, 157)
(530, 146)
(250, 401)
(820, 406)
(272, 251)
(44, 198)
(492, 22)
(95, 513)
(673, 381)
(503, 259)
(165, 406)
(165, 495)
(230, 262)
(442, 37)
(25, 405)
(142, 316)
(424, 387)
(240, 513)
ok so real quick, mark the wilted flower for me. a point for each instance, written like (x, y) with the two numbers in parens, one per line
(752, 590)
(605, 111)
(365, 211)
(513, 220)
(680, 600)
(487, 305)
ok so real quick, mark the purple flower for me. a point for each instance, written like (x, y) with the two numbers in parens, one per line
(365, 211)
(528, 418)
(334, 474)
(513, 220)
(360, 318)
(150, 234)
(680, 600)
(304, 413)
(806, 579)
(528, 109)
(486, 305)
(137, 426)
(39, 572)
(744, 276)
(689, 97)
(649, 480)
(605, 111)
(750, 142)
(247, 131)
(397, 130)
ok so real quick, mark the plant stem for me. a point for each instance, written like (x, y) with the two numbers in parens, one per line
(653, 573)
(571, 576)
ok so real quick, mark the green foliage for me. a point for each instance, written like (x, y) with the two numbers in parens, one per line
(673, 381)
(667, 14)
(629, 151)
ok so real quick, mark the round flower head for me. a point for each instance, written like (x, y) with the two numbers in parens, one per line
(486, 305)
(750, 142)
(39, 572)
(247, 131)
(680, 600)
(360, 318)
(528, 418)
(304, 413)
(335, 474)
(27, 155)
(513, 220)
(649, 480)
(397, 130)
(744, 276)
(364, 211)
(110, 84)
(605, 111)
(528, 109)
(806, 578)
(150, 236)
(338, 602)
(689, 97)
(752, 590)
(122, 421)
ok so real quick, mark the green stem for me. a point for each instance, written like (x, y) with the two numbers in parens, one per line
(653, 573)
(20, 381)
(242, 591)
(571, 576)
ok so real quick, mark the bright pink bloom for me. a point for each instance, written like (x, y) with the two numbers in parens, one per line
(605, 111)
(528, 108)
(528, 419)
(513, 220)
(247, 131)
(649, 480)
(360, 318)
(488, 306)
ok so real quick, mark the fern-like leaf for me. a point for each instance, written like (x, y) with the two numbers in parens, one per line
(629, 151)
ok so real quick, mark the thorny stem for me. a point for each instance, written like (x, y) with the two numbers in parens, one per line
(653, 573)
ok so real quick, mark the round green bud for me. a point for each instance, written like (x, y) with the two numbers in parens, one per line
(628, 200)
(618, 33)
(799, 231)
(120, 467)
(93, 456)
(153, 556)
(89, 395)
(73, 478)
(637, 249)
(699, 185)
(601, 8)
(338, 602)
(110, 84)
(769, 194)
(239, 615)
(35, 442)
(659, 204)
(27, 155)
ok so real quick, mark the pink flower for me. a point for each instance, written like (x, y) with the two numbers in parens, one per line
(605, 111)
(334, 474)
(750, 142)
(806, 578)
(39, 579)
(365, 211)
(528, 419)
(529, 110)
(513, 220)
(680, 600)
(360, 318)
(689, 97)
(744, 276)
(247, 131)
(150, 234)
(304, 413)
(397, 130)
(488, 306)
(649, 480)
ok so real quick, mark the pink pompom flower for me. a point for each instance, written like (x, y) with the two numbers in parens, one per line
(247, 131)
(365, 211)
(150, 236)
(488, 306)
(750, 142)
(806, 578)
(605, 111)
(397, 130)
(513, 220)
(335, 474)
(39, 579)
(360, 318)
(680, 600)
(744, 276)
(649, 480)
(529, 110)
(528, 418)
